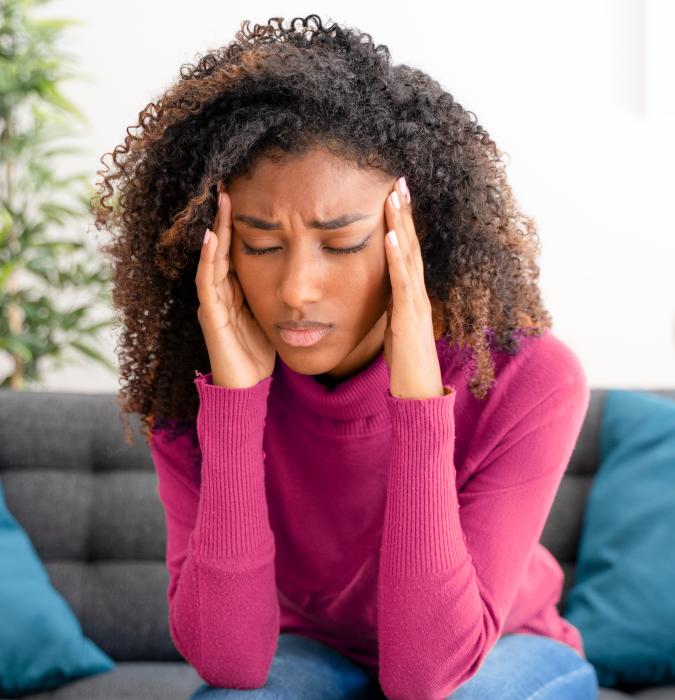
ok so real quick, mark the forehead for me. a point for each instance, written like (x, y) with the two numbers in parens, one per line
(316, 182)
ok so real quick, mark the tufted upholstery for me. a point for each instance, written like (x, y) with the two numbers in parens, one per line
(89, 503)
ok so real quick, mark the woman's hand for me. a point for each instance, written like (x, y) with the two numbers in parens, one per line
(239, 351)
(409, 343)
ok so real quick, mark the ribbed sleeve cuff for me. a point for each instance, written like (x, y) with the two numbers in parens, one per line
(232, 519)
(422, 532)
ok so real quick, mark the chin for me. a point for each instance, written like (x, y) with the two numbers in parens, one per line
(307, 360)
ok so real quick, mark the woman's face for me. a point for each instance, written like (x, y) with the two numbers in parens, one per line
(280, 205)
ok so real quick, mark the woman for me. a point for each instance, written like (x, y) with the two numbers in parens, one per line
(354, 509)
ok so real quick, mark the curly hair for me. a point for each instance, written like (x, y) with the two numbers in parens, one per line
(281, 89)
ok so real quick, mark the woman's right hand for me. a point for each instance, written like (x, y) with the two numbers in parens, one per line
(239, 351)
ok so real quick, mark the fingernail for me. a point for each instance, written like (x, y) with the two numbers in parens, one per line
(403, 186)
(391, 235)
(207, 235)
(220, 196)
(394, 200)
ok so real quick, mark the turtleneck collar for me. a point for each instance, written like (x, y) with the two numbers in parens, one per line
(363, 394)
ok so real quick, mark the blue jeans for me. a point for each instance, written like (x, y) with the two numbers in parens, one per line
(518, 667)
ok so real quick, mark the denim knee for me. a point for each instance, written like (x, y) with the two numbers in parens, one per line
(531, 667)
(303, 669)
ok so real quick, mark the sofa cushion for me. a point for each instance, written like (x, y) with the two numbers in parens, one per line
(622, 599)
(41, 641)
(160, 680)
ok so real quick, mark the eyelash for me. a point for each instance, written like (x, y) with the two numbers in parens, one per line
(337, 251)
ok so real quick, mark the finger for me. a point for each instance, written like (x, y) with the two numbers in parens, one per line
(223, 231)
(206, 292)
(405, 221)
(406, 215)
(401, 220)
(402, 285)
(395, 221)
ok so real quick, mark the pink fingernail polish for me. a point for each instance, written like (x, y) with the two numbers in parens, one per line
(404, 187)
(394, 199)
(207, 235)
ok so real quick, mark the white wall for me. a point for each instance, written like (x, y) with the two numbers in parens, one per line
(578, 93)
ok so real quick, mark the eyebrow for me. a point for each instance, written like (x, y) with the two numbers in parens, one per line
(340, 222)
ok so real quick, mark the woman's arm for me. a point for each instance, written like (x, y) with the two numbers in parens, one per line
(451, 563)
(223, 606)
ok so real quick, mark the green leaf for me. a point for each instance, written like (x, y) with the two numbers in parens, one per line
(49, 93)
(41, 126)
(14, 346)
(94, 354)
(98, 326)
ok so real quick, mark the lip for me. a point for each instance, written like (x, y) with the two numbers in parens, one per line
(304, 338)
(303, 325)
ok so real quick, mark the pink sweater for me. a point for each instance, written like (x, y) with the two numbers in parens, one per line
(403, 533)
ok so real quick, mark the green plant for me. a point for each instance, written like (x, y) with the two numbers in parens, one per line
(36, 265)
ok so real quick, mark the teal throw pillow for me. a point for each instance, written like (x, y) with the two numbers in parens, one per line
(623, 596)
(41, 641)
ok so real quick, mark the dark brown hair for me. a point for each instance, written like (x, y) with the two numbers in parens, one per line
(284, 89)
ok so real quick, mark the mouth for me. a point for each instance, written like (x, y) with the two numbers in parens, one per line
(304, 337)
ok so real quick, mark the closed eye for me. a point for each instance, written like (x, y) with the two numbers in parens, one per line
(337, 251)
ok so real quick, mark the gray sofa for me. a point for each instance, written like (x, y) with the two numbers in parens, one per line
(89, 503)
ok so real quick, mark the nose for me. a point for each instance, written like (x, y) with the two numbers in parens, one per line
(302, 278)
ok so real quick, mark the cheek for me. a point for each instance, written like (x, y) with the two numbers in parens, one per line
(252, 284)
(369, 285)
(379, 271)
(253, 287)
(235, 255)
(360, 272)
(242, 264)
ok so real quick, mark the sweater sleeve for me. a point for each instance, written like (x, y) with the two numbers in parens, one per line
(223, 606)
(451, 563)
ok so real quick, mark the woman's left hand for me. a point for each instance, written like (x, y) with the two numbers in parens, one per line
(409, 344)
